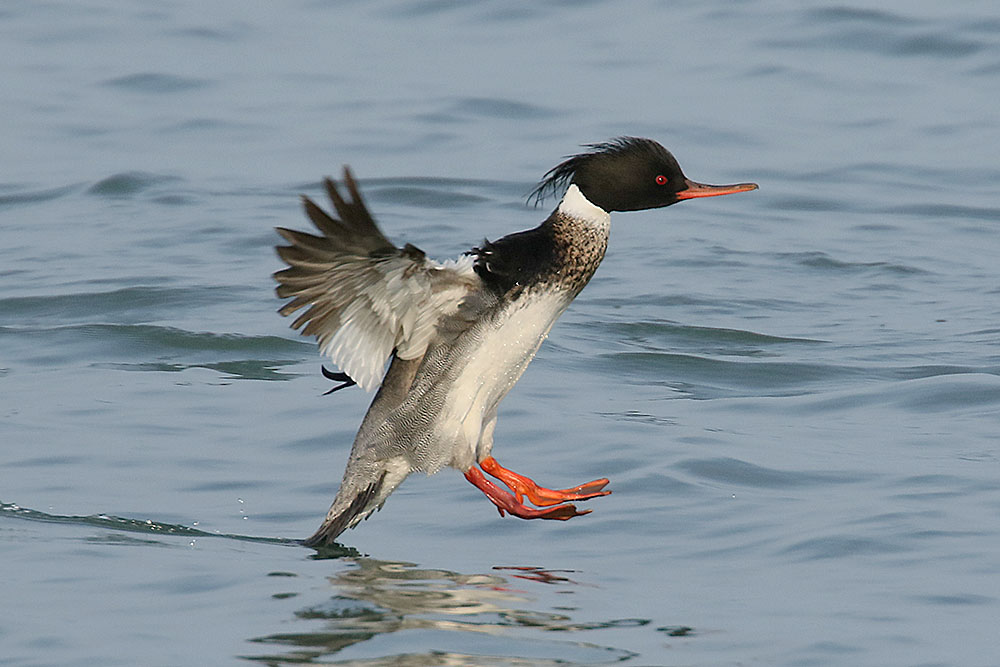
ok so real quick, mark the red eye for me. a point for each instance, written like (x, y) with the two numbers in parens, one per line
(661, 180)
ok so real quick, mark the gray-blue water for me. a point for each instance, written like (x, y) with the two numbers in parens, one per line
(795, 391)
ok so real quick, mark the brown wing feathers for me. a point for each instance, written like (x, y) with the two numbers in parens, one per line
(311, 257)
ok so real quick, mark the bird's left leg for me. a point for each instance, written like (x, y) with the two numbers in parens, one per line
(525, 487)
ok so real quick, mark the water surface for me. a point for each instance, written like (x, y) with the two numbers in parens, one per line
(794, 391)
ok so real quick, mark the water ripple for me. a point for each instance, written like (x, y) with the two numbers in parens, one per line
(948, 211)
(156, 82)
(702, 377)
(936, 392)
(734, 471)
(488, 107)
(823, 261)
(664, 330)
(34, 196)
(424, 197)
(126, 305)
(876, 17)
(128, 183)
(146, 347)
(881, 33)
(841, 546)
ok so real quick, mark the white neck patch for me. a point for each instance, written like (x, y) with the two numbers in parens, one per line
(575, 205)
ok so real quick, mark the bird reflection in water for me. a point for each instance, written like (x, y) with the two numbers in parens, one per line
(385, 612)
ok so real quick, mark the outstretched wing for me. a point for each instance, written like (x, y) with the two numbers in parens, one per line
(367, 298)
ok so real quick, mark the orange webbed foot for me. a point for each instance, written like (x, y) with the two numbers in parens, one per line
(525, 487)
(507, 502)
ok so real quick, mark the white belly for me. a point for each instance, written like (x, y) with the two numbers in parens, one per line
(490, 368)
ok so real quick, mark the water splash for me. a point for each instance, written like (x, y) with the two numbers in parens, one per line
(130, 525)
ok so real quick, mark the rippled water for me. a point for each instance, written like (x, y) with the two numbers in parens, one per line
(795, 392)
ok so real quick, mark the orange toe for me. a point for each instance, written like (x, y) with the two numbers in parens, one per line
(506, 502)
(525, 487)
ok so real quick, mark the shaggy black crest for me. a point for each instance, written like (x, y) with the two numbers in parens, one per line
(560, 176)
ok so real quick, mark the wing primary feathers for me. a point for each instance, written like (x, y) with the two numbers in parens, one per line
(323, 222)
(361, 296)
(354, 214)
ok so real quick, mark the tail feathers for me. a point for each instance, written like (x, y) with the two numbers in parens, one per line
(363, 504)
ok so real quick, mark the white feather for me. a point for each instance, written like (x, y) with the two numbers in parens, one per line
(491, 370)
(395, 305)
(577, 206)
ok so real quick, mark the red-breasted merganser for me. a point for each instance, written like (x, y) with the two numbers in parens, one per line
(458, 334)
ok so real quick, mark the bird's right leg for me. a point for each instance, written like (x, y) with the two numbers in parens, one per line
(506, 502)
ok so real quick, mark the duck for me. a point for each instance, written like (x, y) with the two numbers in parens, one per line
(442, 342)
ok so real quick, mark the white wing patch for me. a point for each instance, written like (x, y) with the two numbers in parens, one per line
(393, 305)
